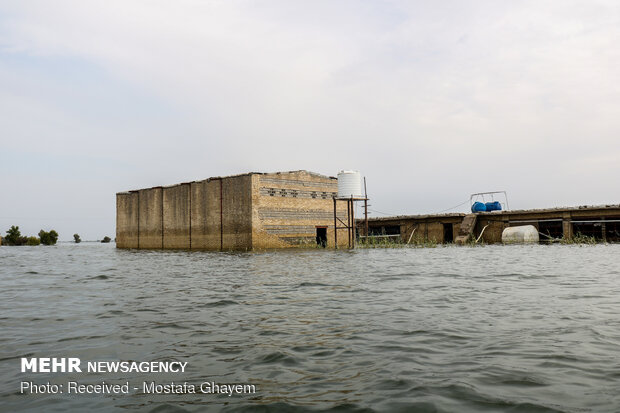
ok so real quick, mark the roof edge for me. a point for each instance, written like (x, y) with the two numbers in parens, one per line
(229, 176)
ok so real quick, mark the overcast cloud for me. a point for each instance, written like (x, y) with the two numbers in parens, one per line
(431, 101)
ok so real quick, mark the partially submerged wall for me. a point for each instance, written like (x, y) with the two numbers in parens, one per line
(212, 214)
(289, 207)
(600, 222)
(415, 229)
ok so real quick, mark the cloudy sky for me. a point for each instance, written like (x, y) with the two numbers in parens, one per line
(431, 101)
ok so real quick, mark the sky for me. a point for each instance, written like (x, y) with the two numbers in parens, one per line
(431, 101)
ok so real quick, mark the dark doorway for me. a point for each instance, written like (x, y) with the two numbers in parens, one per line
(448, 235)
(321, 236)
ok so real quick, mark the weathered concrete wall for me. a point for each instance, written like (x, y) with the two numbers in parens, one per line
(288, 208)
(493, 231)
(198, 217)
(434, 231)
(418, 229)
(150, 218)
(127, 219)
(177, 223)
(408, 230)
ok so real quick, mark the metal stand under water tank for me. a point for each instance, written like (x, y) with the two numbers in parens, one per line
(350, 190)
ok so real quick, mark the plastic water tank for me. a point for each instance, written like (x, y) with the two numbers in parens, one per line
(478, 207)
(520, 234)
(349, 184)
(493, 206)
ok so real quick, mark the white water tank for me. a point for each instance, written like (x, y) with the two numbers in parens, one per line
(520, 234)
(350, 184)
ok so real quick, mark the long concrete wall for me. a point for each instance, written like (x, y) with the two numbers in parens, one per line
(212, 214)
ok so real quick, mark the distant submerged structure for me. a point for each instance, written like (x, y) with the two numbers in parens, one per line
(600, 223)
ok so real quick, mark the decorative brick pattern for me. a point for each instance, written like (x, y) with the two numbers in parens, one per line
(295, 214)
(296, 193)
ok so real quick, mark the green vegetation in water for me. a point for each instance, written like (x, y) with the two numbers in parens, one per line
(473, 242)
(76, 238)
(579, 239)
(15, 238)
(48, 238)
(394, 242)
(106, 239)
(375, 242)
(33, 241)
(309, 242)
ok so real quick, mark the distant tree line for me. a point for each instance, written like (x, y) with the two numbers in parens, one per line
(14, 237)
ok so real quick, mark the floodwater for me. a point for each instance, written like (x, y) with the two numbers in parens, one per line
(447, 329)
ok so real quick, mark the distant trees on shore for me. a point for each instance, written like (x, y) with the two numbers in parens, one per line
(14, 237)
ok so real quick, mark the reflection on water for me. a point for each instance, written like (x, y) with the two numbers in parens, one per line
(519, 328)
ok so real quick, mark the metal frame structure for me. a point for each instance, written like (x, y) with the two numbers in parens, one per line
(471, 197)
(350, 224)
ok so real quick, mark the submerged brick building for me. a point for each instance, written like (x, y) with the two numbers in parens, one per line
(599, 222)
(240, 212)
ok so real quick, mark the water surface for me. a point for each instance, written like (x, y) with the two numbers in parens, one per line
(447, 329)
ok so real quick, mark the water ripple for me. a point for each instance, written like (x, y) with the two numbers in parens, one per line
(490, 329)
